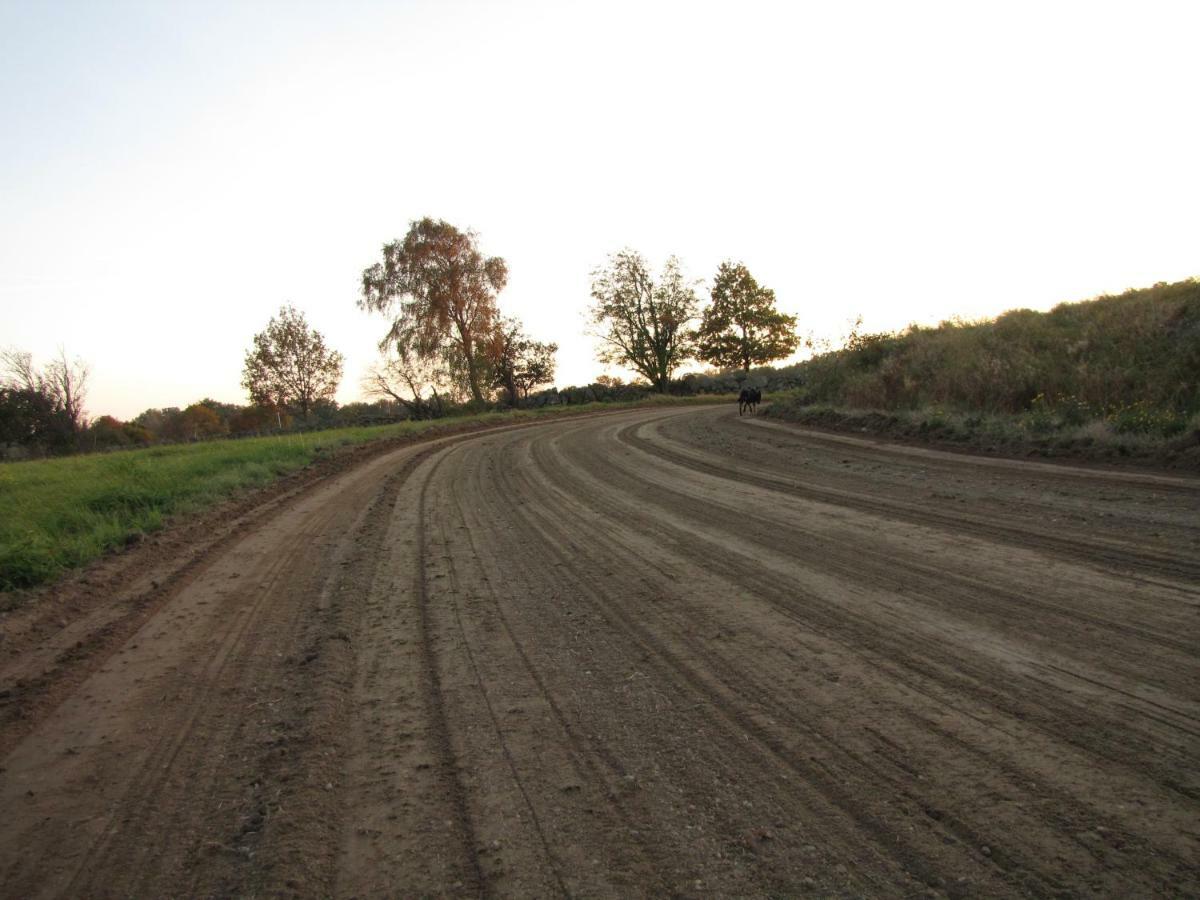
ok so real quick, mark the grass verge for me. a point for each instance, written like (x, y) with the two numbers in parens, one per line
(58, 514)
(1031, 434)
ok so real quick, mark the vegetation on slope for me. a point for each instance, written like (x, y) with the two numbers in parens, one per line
(1122, 372)
(1139, 348)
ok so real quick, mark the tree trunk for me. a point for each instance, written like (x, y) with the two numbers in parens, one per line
(468, 346)
(473, 377)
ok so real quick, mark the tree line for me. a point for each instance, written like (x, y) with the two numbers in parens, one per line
(447, 331)
(448, 344)
(42, 407)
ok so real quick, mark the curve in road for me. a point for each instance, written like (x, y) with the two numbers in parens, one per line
(655, 652)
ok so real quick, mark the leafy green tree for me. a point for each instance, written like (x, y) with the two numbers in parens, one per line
(105, 432)
(290, 366)
(442, 292)
(32, 420)
(199, 421)
(742, 328)
(137, 434)
(159, 422)
(518, 362)
(43, 407)
(643, 323)
(224, 411)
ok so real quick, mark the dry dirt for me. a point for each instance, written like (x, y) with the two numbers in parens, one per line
(667, 652)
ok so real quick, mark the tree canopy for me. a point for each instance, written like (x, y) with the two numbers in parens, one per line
(643, 323)
(441, 291)
(41, 409)
(742, 327)
(289, 365)
(519, 363)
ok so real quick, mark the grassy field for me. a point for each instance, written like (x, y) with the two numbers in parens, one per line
(61, 513)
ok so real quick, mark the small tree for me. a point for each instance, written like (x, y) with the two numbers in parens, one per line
(643, 323)
(443, 292)
(518, 362)
(106, 432)
(199, 421)
(290, 366)
(157, 421)
(258, 419)
(45, 406)
(409, 380)
(742, 327)
(30, 419)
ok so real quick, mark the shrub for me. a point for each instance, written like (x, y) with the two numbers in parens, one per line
(1143, 418)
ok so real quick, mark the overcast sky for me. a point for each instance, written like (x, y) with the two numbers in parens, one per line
(171, 173)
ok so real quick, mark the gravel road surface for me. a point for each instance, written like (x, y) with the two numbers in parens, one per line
(660, 652)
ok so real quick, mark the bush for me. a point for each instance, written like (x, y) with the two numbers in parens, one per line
(1143, 418)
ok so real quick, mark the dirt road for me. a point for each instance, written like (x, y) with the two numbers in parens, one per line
(663, 652)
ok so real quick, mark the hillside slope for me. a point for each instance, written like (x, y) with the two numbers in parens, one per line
(1140, 348)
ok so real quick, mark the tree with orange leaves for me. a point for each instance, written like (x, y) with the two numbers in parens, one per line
(442, 293)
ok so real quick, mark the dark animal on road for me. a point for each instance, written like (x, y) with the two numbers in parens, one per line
(748, 400)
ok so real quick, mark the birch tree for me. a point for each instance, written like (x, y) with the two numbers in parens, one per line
(441, 292)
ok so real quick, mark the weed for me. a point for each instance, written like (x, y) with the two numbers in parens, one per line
(1143, 418)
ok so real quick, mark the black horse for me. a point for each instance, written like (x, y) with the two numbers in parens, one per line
(748, 400)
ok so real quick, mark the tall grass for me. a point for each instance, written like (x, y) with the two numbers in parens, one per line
(1138, 351)
(60, 513)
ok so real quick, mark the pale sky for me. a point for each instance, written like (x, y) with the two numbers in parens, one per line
(171, 173)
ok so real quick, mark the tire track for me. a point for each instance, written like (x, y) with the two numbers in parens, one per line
(672, 669)
(549, 856)
(854, 566)
(434, 696)
(1025, 535)
(983, 597)
(614, 657)
(581, 753)
(570, 476)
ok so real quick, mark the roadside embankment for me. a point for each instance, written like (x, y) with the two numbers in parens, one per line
(1029, 435)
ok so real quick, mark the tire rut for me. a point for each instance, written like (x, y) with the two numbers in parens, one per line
(626, 520)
